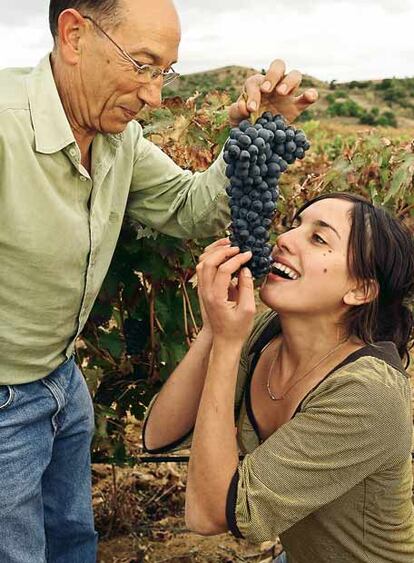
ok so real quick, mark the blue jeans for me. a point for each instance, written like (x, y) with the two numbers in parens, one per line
(281, 558)
(46, 429)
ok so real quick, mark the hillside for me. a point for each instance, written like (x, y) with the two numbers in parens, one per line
(387, 102)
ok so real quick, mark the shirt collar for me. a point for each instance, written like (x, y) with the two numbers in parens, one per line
(51, 126)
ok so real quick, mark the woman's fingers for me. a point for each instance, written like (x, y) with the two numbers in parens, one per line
(207, 267)
(224, 274)
(246, 301)
(216, 244)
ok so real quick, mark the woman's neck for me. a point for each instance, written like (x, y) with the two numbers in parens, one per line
(305, 341)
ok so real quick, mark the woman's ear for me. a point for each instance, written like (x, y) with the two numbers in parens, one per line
(363, 293)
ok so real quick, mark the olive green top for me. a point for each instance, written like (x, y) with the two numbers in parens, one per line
(59, 225)
(334, 482)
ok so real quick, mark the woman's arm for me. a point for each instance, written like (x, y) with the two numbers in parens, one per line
(174, 412)
(214, 452)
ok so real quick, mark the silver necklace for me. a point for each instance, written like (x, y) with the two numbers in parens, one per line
(285, 394)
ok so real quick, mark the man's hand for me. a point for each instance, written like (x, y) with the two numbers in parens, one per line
(275, 92)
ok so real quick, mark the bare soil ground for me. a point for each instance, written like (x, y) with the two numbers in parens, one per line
(139, 513)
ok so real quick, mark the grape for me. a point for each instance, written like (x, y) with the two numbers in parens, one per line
(290, 134)
(253, 133)
(256, 155)
(271, 127)
(234, 181)
(257, 206)
(136, 332)
(300, 138)
(244, 125)
(233, 152)
(280, 136)
(245, 141)
(259, 143)
(280, 149)
(252, 216)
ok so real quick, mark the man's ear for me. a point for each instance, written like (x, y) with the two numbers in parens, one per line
(364, 292)
(71, 25)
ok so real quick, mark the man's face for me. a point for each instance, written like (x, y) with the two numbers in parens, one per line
(111, 88)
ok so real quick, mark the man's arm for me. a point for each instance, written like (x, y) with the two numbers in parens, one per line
(174, 201)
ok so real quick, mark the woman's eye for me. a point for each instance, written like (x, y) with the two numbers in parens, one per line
(318, 239)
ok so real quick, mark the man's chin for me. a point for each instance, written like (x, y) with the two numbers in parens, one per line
(116, 126)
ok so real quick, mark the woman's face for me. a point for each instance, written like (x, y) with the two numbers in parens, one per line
(315, 251)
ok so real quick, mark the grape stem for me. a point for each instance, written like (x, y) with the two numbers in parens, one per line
(254, 115)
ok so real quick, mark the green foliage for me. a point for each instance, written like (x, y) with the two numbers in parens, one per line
(356, 84)
(347, 108)
(341, 105)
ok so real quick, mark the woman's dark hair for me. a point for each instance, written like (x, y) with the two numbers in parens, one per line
(381, 248)
(105, 11)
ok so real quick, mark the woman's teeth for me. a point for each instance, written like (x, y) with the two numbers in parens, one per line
(286, 272)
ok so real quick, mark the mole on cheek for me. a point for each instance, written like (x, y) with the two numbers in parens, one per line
(325, 271)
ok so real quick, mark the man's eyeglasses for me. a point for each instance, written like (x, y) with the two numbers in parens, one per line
(149, 71)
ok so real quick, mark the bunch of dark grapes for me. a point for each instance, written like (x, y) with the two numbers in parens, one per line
(256, 156)
(136, 332)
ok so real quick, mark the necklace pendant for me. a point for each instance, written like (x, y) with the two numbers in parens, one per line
(272, 396)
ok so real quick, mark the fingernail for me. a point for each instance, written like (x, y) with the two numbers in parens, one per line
(267, 86)
(253, 106)
(282, 89)
(247, 273)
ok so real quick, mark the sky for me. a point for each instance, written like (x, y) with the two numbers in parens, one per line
(329, 39)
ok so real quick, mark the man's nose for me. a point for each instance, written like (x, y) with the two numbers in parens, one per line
(151, 93)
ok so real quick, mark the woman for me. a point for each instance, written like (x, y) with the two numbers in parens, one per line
(316, 386)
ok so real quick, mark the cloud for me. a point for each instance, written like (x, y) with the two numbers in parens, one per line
(18, 13)
(329, 42)
(330, 39)
(263, 7)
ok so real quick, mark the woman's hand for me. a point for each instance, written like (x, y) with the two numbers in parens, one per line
(227, 308)
(275, 92)
(224, 242)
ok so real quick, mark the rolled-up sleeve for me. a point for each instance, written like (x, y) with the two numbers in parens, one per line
(174, 201)
(342, 435)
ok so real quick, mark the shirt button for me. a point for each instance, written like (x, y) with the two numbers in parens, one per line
(72, 152)
(83, 179)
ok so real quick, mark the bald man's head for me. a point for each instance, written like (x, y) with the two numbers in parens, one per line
(110, 13)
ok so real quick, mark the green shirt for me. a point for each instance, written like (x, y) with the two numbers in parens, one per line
(59, 225)
(334, 482)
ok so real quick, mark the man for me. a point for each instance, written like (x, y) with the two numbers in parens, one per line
(73, 162)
